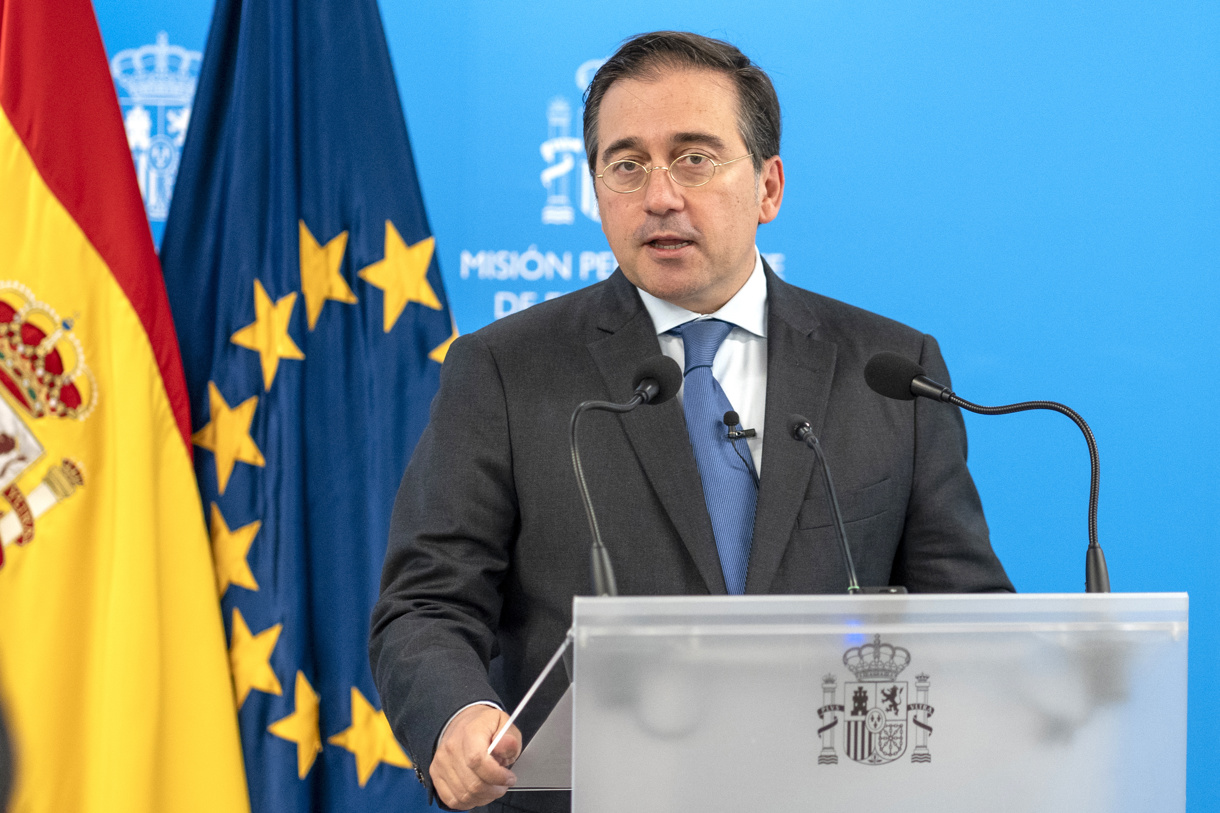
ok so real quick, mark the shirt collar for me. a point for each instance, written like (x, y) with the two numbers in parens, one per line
(747, 309)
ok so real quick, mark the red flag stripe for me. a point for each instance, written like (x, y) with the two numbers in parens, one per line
(39, 42)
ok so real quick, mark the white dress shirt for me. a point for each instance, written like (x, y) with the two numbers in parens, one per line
(741, 362)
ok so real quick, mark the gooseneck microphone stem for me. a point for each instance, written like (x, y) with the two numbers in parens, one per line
(895, 376)
(1097, 577)
(656, 380)
(603, 571)
(804, 433)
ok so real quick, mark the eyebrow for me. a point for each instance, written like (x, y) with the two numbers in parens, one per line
(621, 145)
(710, 140)
(678, 140)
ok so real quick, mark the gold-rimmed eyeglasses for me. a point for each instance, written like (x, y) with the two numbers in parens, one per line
(692, 169)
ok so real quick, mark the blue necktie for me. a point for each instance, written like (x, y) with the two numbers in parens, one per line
(728, 482)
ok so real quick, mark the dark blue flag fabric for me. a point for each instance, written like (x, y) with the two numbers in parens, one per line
(313, 322)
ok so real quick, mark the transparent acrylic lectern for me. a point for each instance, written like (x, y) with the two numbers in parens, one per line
(885, 703)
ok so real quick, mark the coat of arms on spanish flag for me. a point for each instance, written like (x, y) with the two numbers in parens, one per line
(114, 678)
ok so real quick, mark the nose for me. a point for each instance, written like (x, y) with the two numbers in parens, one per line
(661, 194)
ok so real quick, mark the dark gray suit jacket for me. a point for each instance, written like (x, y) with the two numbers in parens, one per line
(489, 542)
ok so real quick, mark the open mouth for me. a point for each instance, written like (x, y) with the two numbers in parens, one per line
(668, 244)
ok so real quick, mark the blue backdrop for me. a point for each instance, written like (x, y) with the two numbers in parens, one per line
(1036, 183)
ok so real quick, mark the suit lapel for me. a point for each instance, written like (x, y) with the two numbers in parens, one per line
(799, 373)
(626, 337)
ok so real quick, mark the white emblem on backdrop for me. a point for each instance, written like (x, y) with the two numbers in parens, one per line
(156, 85)
(565, 152)
(558, 151)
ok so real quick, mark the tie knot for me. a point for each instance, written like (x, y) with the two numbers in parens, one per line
(700, 341)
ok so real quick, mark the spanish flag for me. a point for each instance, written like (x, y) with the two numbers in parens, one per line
(114, 680)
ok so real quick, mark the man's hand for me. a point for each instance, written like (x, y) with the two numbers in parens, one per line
(462, 771)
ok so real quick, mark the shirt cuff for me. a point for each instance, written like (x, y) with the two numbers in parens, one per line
(459, 711)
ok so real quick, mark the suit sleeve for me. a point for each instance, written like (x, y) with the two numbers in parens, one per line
(945, 545)
(451, 533)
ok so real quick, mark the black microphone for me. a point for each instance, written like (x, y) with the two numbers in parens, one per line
(656, 380)
(896, 376)
(732, 420)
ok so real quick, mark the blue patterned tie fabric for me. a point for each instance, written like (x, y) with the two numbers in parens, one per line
(728, 482)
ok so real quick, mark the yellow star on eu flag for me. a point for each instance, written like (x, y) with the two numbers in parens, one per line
(320, 277)
(402, 274)
(227, 435)
(250, 659)
(229, 550)
(441, 350)
(301, 726)
(268, 334)
(369, 737)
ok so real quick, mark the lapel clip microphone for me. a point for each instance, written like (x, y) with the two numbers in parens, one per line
(732, 420)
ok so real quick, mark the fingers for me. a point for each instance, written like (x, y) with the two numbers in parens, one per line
(509, 747)
(463, 773)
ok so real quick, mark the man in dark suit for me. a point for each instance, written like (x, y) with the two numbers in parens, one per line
(489, 540)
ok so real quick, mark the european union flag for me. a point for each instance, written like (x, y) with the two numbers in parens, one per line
(303, 281)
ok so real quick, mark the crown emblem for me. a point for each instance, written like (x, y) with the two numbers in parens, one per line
(42, 364)
(876, 661)
(159, 73)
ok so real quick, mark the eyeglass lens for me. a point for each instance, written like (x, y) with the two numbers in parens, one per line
(687, 170)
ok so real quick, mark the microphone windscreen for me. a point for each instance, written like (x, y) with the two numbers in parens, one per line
(890, 374)
(731, 419)
(663, 370)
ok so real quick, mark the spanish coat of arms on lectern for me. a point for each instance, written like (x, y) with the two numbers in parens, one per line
(877, 715)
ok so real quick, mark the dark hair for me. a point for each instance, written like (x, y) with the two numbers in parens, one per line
(646, 55)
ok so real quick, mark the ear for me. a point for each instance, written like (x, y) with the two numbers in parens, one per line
(770, 189)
